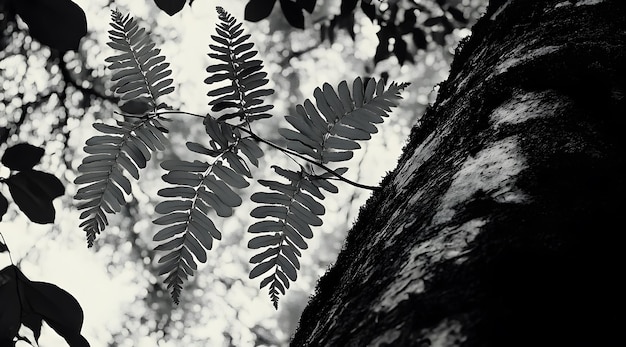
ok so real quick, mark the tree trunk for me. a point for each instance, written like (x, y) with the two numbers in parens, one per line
(501, 224)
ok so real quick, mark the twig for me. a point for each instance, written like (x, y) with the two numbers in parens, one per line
(69, 79)
(286, 150)
(4, 242)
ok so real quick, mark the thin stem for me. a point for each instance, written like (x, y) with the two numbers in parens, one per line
(288, 151)
(4, 242)
(341, 178)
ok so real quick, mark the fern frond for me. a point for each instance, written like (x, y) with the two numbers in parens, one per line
(140, 73)
(198, 188)
(288, 212)
(122, 148)
(328, 130)
(242, 95)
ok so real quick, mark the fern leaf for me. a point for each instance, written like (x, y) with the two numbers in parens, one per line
(140, 73)
(327, 131)
(288, 212)
(198, 188)
(119, 150)
(242, 96)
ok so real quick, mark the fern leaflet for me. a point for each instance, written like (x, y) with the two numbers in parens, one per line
(139, 74)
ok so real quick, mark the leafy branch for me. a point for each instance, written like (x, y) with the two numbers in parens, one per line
(324, 131)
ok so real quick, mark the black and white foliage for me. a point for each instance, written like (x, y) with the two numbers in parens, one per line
(243, 94)
(139, 75)
(201, 186)
(324, 132)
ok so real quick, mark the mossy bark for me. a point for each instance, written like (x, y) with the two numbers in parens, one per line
(502, 224)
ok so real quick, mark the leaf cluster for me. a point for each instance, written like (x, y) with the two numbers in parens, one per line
(29, 303)
(32, 190)
(410, 25)
(292, 10)
(323, 132)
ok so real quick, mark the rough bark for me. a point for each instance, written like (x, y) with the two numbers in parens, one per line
(502, 224)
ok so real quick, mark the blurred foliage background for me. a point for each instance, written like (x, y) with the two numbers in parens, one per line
(50, 100)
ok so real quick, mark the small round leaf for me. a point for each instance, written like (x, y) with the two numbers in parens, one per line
(33, 192)
(59, 24)
(170, 7)
(22, 156)
(258, 9)
(4, 205)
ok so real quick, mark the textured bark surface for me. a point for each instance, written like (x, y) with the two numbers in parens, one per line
(502, 224)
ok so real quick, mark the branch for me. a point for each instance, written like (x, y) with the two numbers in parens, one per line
(295, 54)
(285, 150)
(14, 128)
(69, 79)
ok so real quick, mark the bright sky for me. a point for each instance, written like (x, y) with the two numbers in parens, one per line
(110, 284)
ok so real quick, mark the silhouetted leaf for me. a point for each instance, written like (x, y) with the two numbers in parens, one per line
(242, 94)
(419, 38)
(4, 205)
(308, 5)
(33, 192)
(432, 21)
(369, 10)
(258, 9)
(457, 14)
(22, 156)
(59, 24)
(170, 7)
(382, 51)
(30, 303)
(409, 22)
(399, 49)
(293, 13)
(4, 134)
(347, 7)
(439, 37)
(10, 304)
(139, 70)
(58, 308)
